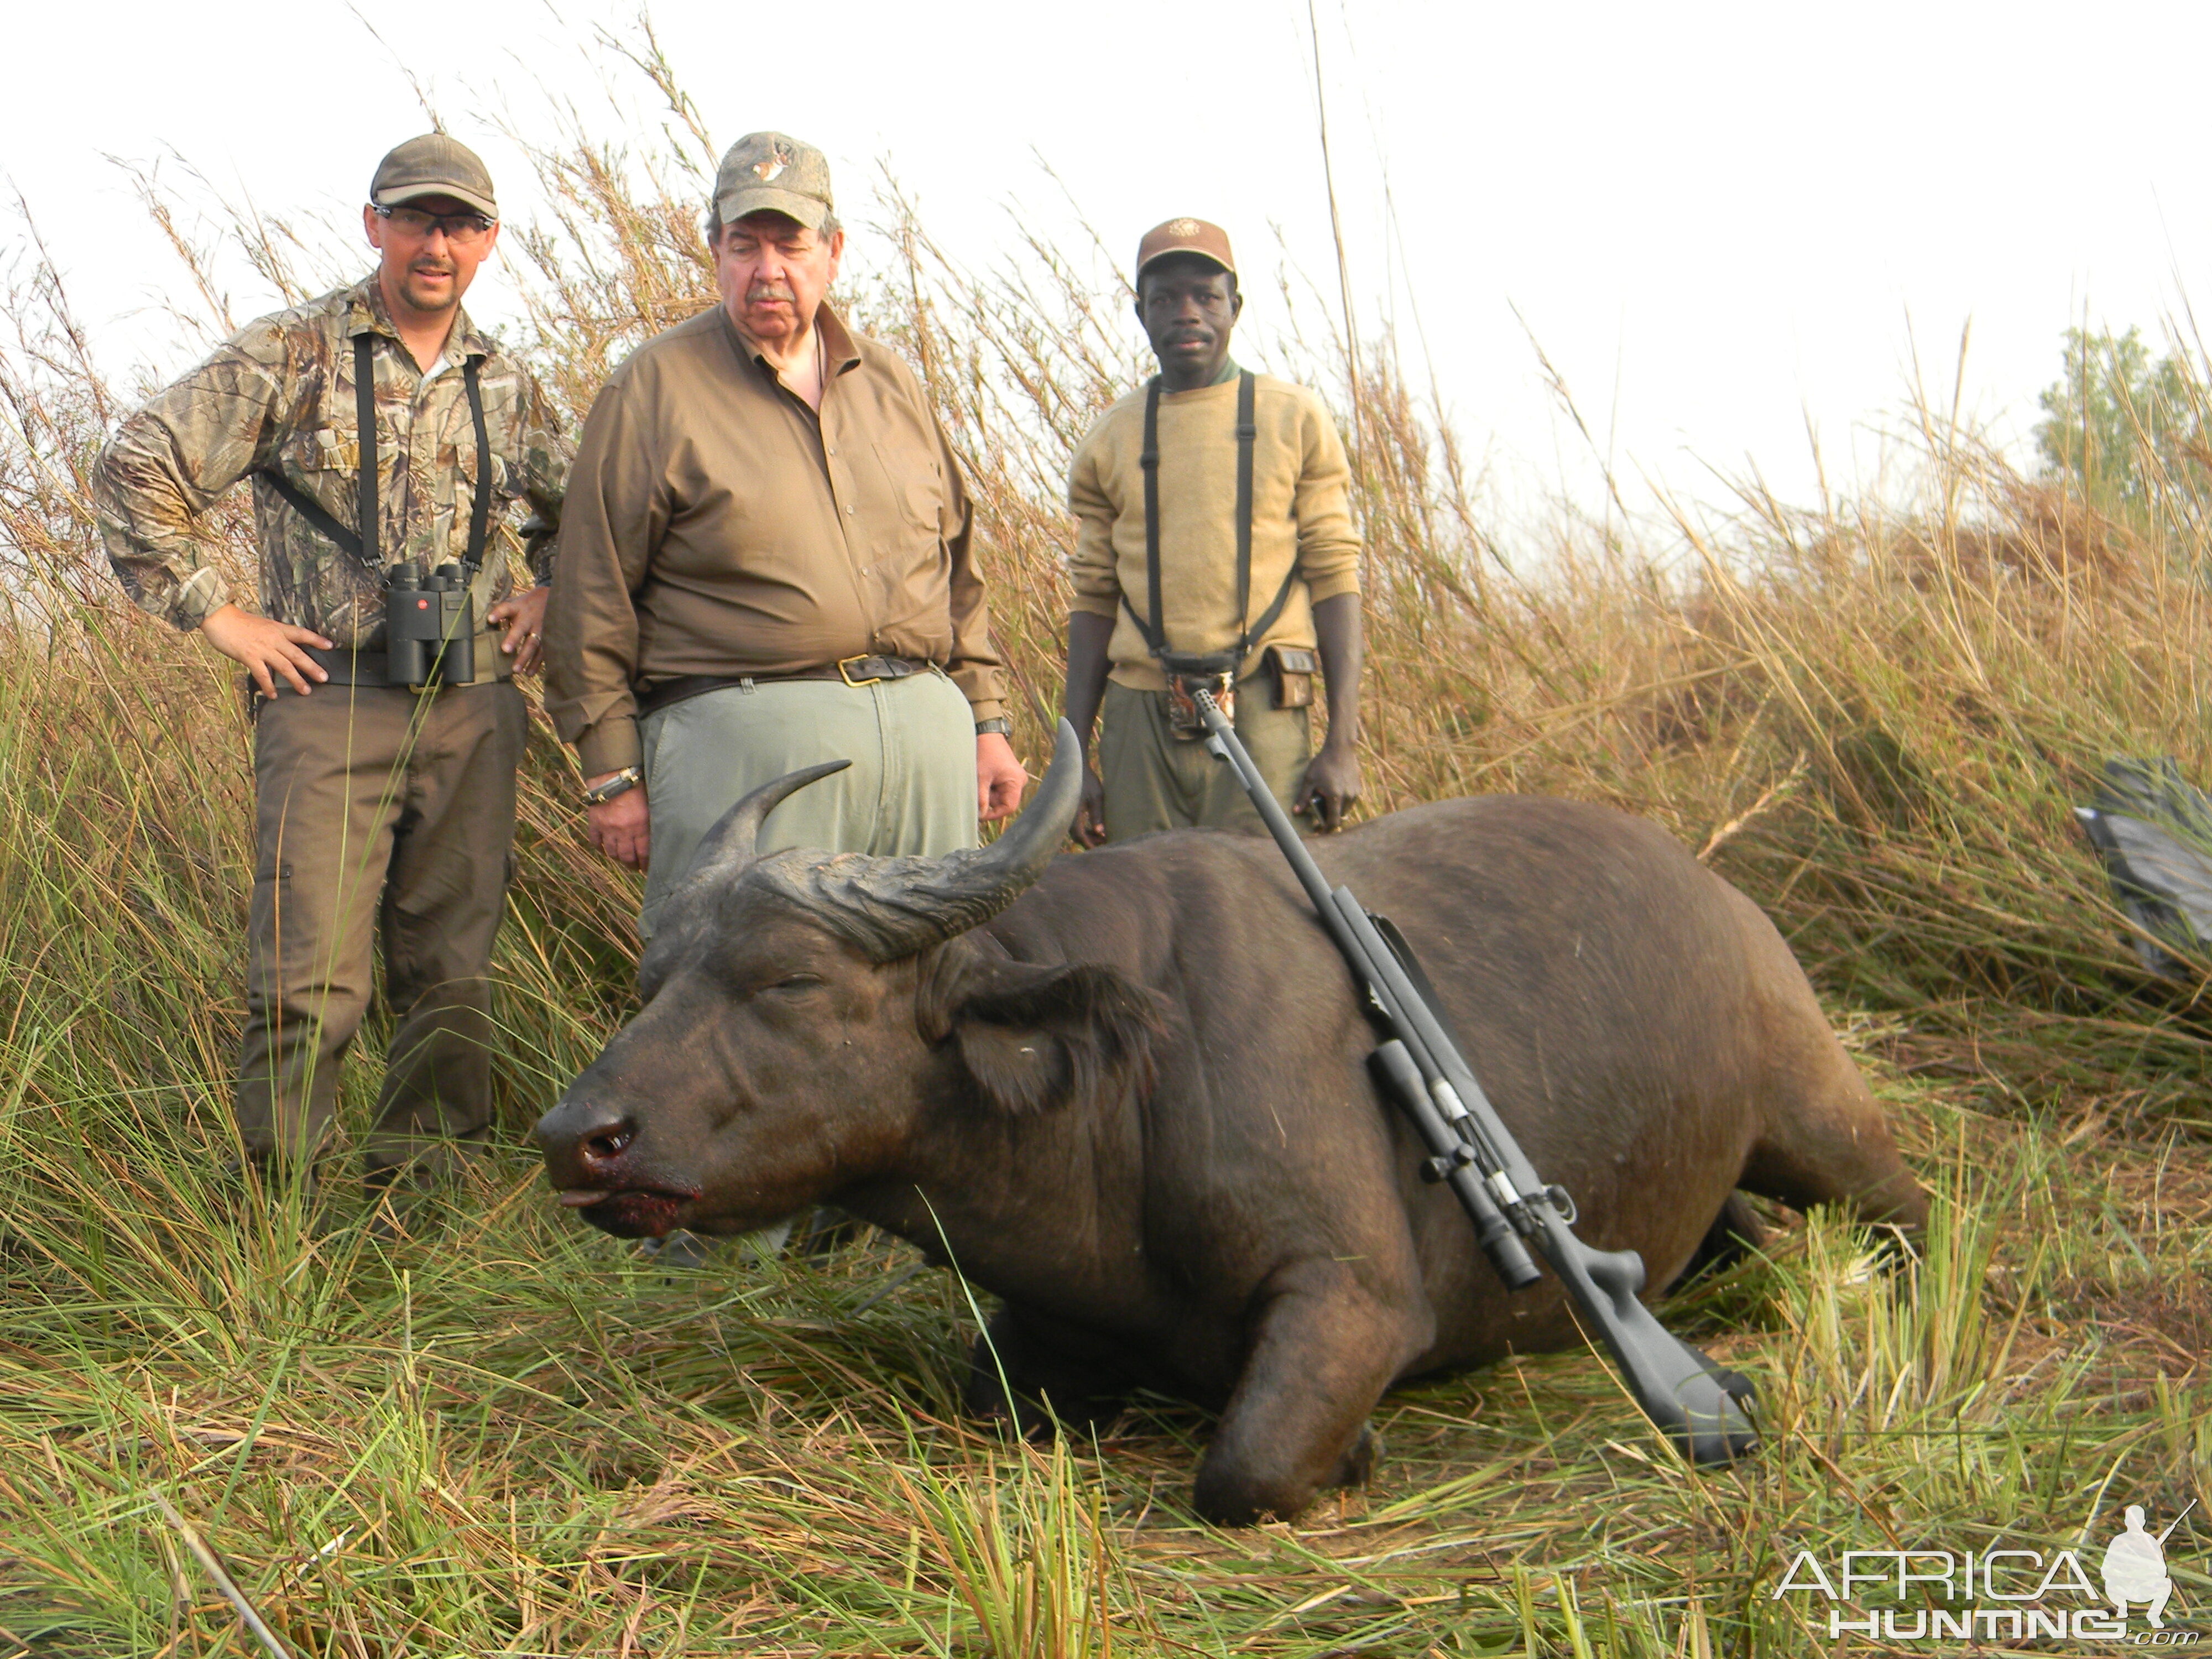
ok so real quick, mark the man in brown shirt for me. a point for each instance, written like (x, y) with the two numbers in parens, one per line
(766, 564)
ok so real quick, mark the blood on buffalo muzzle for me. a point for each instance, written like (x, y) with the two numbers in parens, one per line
(587, 1146)
(584, 1141)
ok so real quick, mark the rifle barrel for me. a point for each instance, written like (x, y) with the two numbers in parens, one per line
(2176, 1521)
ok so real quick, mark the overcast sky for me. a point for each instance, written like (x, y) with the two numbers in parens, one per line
(1724, 223)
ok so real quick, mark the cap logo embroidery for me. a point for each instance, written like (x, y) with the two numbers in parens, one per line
(1183, 227)
(779, 157)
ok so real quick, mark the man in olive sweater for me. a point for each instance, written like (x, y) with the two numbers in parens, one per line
(1188, 578)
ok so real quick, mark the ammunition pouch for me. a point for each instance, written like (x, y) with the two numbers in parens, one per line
(1292, 670)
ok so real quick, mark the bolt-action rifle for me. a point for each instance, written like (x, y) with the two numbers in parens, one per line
(1696, 1405)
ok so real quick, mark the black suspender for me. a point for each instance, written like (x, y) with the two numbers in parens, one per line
(1149, 625)
(1248, 432)
(361, 543)
(1148, 462)
(365, 546)
(480, 509)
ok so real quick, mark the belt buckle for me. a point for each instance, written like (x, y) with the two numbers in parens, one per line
(845, 672)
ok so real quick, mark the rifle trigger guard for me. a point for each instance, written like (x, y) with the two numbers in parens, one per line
(1564, 1202)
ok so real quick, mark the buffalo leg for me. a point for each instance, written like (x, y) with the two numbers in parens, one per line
(1822, 1137)
(1025, 1362)
(1324, 1348)
(1829, 1144)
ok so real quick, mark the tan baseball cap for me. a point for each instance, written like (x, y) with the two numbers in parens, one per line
(433, 164)
(1186, 236)
(774, 172)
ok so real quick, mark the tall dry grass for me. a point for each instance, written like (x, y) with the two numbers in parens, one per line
(492, 1432)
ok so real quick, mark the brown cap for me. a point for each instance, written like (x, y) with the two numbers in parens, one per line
(1186, 236)
(772, 173)
(433, 164)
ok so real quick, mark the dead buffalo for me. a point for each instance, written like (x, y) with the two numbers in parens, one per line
(1127, 1091)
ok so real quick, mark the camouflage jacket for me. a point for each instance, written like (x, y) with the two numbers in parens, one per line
(280, 394)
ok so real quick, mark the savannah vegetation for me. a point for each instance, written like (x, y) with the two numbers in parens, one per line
(475, 1427)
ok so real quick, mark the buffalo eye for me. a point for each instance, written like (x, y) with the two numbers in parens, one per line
(796, 982)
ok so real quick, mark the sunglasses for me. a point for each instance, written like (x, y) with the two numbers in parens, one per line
(462, 227)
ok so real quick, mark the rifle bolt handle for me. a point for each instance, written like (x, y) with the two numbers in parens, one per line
(1446, 1165)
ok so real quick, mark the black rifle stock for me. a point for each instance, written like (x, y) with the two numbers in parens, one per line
(1695, 1404)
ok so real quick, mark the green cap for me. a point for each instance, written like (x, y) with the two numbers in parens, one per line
(772, 173)
(433, 164)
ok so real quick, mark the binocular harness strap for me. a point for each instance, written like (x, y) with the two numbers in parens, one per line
(480, 509)
(364, 417)
(361, 543)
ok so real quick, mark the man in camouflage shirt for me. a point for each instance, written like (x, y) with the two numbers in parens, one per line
(374, 803)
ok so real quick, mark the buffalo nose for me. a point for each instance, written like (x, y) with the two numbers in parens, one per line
(583, 1140)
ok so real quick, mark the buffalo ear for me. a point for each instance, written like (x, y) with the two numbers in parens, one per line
(1041, 1038)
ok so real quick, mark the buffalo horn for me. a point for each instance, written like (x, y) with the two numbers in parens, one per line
(892, 908)
(728, 847)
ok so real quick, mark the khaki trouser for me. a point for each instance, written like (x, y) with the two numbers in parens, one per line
(1156, 780)
(911, 787)
(377, 812)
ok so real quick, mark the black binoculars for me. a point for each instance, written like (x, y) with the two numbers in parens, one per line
(429, 627)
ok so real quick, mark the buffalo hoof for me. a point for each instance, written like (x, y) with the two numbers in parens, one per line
(1229, 1496)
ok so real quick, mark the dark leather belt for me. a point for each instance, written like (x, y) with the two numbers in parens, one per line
(853, 671)
(374, 667)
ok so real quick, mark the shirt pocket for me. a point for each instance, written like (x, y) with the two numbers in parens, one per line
(337, 435)
(323, 450)
(916, 485)
(466, 464)
(326, 465)
(324, 454)
(461, 429)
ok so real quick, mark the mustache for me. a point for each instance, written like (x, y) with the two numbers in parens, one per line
(760, 291)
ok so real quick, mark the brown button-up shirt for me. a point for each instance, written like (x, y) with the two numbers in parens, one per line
(716, 525)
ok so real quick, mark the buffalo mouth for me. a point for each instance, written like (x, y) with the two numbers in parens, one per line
(629, 1212)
